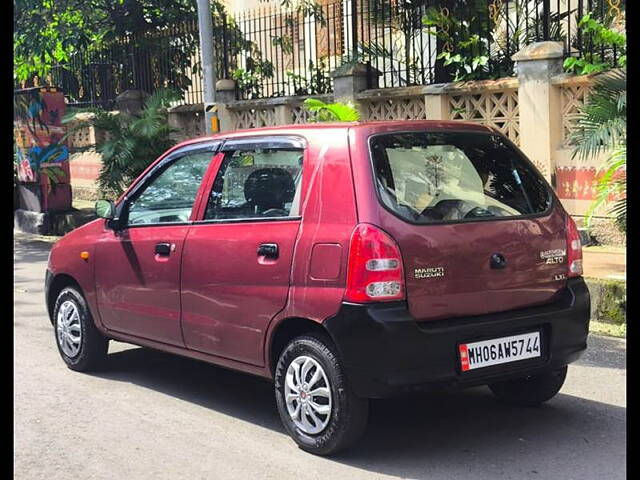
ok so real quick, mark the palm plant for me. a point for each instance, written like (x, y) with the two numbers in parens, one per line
(602, 126)
(131, 142)
(331, 112)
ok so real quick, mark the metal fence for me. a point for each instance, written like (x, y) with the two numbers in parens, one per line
(276, 51)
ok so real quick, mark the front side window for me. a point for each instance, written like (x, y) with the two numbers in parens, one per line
(257, 184)
(454, 176)
(170, 196)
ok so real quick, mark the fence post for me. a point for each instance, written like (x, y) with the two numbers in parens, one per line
(351, 79)
(539, 103)
(546, 13)
(225, 94)
(354, 29)
(283, 114)
(436, 103)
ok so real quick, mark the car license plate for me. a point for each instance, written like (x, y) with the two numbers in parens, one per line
(499, 350)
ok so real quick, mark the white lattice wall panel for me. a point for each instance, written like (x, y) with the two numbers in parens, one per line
(572, 99)
(253, 118)
(299, 114)
(498, 109)
(81, 137)
(408, 108)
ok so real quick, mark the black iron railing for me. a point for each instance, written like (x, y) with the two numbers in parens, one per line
(278, 51)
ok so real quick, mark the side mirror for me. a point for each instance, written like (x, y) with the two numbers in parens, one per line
(105, 209)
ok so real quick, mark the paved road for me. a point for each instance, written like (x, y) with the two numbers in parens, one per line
(152, 415)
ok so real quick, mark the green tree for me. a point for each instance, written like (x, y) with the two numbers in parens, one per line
(48, 32)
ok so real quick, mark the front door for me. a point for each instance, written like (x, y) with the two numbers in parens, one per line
(138, 266)
(237, 256)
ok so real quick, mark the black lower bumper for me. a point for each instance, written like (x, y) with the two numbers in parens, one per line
(385, 351)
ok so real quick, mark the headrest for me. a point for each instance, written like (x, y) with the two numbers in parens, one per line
(269, 188)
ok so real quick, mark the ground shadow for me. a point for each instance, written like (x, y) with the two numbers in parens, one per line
(606, 352)
(451, 434)
(464, 434)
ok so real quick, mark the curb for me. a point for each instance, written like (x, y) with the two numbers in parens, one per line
(51, 223)
(608, 300)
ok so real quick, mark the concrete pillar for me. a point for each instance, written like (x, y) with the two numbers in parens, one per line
(225, 94)
(131, 101)
(351, 79)
(284, 114)
(436, 104)
(539, 103)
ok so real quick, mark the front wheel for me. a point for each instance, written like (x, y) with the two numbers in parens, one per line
(81, 345)
(530, 391)
(316, 404)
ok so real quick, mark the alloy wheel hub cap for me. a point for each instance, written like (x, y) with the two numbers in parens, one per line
(68, 329)
(308, 395)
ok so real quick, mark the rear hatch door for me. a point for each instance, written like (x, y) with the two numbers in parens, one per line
(478, 228)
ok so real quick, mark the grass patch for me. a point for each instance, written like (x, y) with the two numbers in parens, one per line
(609, 329)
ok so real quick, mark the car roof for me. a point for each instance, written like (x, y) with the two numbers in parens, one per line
(368, 126)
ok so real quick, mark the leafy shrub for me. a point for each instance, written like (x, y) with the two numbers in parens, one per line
(331, 112)
(599, 57)
(132, 142)
(602, 126)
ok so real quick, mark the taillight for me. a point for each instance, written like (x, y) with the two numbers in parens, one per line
(574, 249)
(374, 271)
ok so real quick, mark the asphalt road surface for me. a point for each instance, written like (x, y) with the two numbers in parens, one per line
(157, 416)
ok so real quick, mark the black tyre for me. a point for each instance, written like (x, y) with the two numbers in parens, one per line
(316, 404)
(530, 391)
(81, 345)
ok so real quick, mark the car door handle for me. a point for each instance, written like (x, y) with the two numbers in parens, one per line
(164, 248)
(268, 250)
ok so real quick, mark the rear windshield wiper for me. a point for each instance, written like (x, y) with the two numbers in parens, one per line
(516, 177)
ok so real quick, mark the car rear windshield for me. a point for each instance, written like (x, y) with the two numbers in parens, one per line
(455, 176)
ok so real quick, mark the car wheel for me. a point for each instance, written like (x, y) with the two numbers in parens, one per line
(316, 404)
(530, 391)
(81, 345)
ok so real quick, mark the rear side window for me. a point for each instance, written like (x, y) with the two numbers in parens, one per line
(261, 183)
(455, 176)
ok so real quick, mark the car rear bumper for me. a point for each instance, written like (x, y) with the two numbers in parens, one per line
(385, 351)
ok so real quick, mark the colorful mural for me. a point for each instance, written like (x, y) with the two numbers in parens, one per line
(578, 183)
(42, 153)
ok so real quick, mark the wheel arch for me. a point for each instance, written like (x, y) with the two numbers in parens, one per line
(58, 283)
(284, 332)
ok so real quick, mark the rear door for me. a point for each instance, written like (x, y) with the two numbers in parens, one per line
(476, 224)
(238, 254)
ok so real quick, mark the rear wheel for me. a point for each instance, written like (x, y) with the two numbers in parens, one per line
(316, 404)
(530, 391)
(81, 345)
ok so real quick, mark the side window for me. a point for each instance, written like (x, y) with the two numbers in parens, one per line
(257, 184)
(170, 196)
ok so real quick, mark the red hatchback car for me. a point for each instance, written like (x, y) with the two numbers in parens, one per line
(343, 261)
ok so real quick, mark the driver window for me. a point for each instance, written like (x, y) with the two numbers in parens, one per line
(169, 197)
(260, 183)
